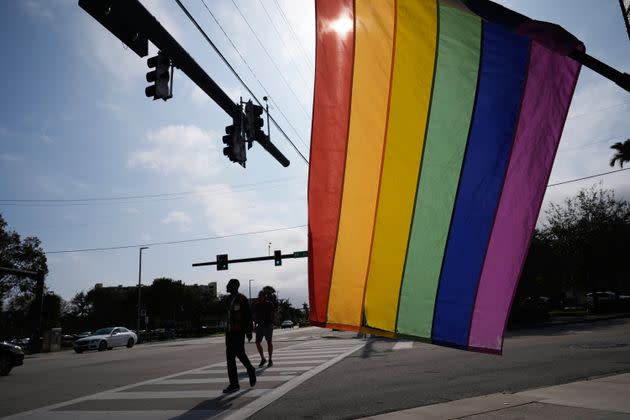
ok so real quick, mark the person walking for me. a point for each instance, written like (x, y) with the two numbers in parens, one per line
(263, 315)
(238, 326)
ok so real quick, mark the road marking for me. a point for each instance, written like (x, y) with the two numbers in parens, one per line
(260, 403)
(151, 395)
(288, 362)
(135, 414)
(264, 396)
(403, 345)
(262, 378)
(258, 370)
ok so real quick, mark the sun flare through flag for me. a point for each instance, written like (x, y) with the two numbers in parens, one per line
(435, 127)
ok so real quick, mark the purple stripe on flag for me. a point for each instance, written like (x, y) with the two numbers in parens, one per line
(550, 85)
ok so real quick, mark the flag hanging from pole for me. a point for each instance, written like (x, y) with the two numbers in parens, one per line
(435, 127)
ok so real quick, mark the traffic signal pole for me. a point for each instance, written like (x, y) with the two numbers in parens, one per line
(132, 23)
(298, 254)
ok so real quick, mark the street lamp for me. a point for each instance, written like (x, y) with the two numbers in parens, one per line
(140, 286)
(250, 290)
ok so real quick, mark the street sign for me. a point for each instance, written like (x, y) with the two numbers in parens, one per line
(300, 254)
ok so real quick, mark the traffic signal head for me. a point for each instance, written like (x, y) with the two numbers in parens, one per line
(222, 262)
(234, 143)
(160, 77)
(277, 258)
(254, 122)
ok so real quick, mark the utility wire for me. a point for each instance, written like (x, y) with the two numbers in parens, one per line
(587, 177)
(598, 110)
(571, 149)
(277, 31)
(192, 19)
(218, 191)
(254, 74)
(293, 32)
(208, 238)
(281, 73)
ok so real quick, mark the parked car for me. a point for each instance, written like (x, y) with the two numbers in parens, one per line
(21, 342)
(10, 356)
(286, 324)
(83, 334)
(606, 302)
(106, 339)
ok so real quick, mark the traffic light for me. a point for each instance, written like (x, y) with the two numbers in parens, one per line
(254, 123)
(277, 258)
(160, 89)
(235, 143)
(230, 140)
(222, 262)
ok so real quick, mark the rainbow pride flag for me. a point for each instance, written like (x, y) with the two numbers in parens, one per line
(435, 126)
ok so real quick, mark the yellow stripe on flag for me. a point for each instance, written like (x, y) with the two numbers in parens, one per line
(374, 37)
(414, 61)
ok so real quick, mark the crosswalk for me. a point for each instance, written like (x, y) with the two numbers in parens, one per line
(197, 393)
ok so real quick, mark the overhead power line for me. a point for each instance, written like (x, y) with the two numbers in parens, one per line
(587, 177)
(280, 72)
(277, 31)
(192, 19)
(152, 197)
(284, 17)
(583, 146)
(584, 114)
(208, 238)
(238, 52)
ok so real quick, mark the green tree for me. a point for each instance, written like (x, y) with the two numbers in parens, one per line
(622, 153)
(587, 235)
(22, 254)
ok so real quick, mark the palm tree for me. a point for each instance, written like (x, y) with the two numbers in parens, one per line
(622, 153)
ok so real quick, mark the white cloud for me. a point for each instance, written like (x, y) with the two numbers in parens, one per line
(246, 211)
(46, 139)
(177, 218)
(184, 149)
(38, 10)
(7, 157)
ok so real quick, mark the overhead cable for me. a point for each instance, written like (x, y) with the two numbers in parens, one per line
(280, 72)
(587, 177)
(208, 238)
(238, 52)
(192, 19)
(284, 16)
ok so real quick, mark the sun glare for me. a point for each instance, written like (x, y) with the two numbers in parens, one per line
(342, 25)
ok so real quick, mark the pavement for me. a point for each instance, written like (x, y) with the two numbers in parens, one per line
(600, 398)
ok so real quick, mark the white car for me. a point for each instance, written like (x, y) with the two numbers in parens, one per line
(106, 339)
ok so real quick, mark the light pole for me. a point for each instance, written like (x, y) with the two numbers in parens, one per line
(140, 286)
(250, 290)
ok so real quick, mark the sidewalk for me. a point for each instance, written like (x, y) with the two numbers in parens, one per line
(603, 398)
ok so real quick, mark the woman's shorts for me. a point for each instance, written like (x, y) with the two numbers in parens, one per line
(264, 331)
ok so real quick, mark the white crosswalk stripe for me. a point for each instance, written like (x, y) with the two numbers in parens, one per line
(201, 388)
(403, 345)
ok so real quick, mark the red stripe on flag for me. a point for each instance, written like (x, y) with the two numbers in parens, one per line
(329, 137)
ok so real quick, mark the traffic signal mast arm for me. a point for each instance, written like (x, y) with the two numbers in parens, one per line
(222, 259)
(132, 23)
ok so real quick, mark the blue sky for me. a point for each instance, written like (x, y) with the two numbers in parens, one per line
(75, 124)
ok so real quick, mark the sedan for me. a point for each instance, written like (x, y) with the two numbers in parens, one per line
(106, 339)
(10, 356)
(286, 324)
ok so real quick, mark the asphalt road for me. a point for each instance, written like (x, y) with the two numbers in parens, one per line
(317, 374)
(380, 379)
